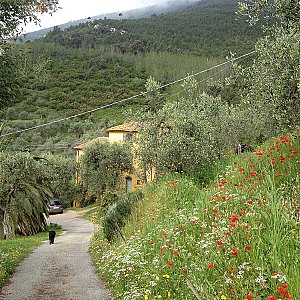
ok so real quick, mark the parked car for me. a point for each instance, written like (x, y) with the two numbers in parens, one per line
(55, 206)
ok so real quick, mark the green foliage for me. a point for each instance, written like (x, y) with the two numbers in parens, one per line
(273, 83)
(187, 134)
(118, 213)
(278, 12)
(103, 164)
(152, 95)
(17, 13)
(9, 80)
(25, 182)
(271, 86)
(22, 191)
(62, 184)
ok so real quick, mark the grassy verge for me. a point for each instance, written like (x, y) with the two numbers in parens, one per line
(237, 238)
(12, 252)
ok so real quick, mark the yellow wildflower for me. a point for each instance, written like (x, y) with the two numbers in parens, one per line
(223, 297)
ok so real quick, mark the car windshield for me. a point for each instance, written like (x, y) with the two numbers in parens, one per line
(54, 202)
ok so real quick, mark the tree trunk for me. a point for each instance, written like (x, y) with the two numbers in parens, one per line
(8, 230)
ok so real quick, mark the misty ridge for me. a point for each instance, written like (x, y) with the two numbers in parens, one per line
(145, 12)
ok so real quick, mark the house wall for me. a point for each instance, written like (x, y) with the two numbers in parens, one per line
(118, 136)
(115, 136)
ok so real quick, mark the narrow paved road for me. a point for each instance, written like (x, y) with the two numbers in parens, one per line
(62, 271)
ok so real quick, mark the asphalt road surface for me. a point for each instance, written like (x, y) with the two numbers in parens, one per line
(61, 271)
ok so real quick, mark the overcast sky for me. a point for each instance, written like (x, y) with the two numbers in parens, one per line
(75, 10)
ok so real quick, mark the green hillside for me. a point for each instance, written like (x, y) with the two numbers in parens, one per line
(94, 64)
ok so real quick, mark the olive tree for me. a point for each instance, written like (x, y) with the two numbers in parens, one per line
(276, 12)
(103, 164)
(272, 83)
(63, 177)
(188, 134)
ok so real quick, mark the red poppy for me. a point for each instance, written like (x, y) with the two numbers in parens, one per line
(282, 291)
(228, 233)
(248, 247)
(249, 297)
(272, 298)
(234, 218)
(253, 173)
(170, 264)
(184, 271)
(175, 252)
(152, 242)
(250, 201)
(210, 266)
(234, 252)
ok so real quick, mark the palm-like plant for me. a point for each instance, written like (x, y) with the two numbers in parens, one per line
(23, 187)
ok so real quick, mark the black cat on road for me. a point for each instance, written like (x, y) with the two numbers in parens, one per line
(52, 234)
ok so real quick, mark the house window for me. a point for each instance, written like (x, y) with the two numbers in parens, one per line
(128, 137)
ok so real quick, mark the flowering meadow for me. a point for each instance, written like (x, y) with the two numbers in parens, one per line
(236, 238)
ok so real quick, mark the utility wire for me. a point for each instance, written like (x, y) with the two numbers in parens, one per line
(124, 100)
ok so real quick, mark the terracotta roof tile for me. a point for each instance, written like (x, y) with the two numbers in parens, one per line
(126, 127)
(100, 138)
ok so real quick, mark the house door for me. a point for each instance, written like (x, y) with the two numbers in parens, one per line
(128, 184)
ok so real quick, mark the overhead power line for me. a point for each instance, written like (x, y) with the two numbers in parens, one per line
(124, 100)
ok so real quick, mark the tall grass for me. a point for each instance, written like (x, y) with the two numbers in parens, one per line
(237, 238)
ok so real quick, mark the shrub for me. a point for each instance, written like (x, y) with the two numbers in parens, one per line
(118, 213)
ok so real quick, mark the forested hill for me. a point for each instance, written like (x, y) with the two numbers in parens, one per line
(93, 64)
(209, 27)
